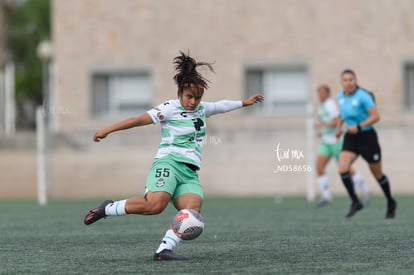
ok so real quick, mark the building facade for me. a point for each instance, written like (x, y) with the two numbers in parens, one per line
(113, 59)
(280, 47)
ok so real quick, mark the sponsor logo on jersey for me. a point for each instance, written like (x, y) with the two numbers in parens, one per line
(160, 116)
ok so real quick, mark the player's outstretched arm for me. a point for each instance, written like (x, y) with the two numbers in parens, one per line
(252, 100)
(142, 120)
(224, 106)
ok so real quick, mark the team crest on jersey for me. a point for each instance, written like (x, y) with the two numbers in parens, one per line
(354, 102)
(160, 182)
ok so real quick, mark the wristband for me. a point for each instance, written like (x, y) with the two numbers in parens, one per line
(359, 128)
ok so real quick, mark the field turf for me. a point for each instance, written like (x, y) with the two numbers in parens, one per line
(242, 236)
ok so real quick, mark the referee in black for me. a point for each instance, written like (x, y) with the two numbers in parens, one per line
(357, 109)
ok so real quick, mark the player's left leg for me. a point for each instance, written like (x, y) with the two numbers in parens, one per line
(371, 152)
(384, 183)
(170, 239)
(189, 201)
(188, 194)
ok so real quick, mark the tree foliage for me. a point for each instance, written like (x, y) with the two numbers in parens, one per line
(28, 24)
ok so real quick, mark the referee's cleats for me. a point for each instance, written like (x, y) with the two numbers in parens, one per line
(355, 207)
(97, 213)
(392, 205)
(168, 255)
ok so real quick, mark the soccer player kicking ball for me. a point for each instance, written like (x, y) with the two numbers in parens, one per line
(173, 175)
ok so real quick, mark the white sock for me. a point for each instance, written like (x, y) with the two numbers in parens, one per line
(359, 181)
(170, 241)
(116, 209)
(324, 187)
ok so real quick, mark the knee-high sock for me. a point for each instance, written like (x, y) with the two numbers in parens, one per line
(169, 241)
(359, 181)
(323, 182)
(349, 185)
(116, 208)
(385, 186)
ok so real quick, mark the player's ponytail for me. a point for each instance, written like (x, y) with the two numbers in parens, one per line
(187, 76)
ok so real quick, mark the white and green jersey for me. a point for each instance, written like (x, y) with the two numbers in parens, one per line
(328, 111)
(183, 132)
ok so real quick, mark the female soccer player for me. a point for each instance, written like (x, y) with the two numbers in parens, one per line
(330, 146)
(173, 175)
(357, 109)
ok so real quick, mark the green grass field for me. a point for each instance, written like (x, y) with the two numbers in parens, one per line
(242, 236)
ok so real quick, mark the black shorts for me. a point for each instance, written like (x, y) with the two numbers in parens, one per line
(365, 144)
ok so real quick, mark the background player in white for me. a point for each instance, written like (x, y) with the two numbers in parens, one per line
(173, 176)
(331, 146)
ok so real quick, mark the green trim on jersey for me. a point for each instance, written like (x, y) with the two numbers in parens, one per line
(326, 117)
(165, 132)
(327, 112)
(183, 131)
(181, 123)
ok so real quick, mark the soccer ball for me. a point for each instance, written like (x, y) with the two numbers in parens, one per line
(188, 224)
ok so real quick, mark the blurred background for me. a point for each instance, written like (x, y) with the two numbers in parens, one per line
(83, 64)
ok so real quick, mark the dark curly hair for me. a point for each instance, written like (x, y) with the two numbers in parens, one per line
(187, 76)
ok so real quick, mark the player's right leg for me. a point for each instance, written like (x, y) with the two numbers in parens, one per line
(323, 180)
(160, 184)
(359, 181)
(97, 213)
(346, 158)
(153, 203)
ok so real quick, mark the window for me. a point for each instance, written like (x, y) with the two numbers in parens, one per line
(409, 86)
(285, 89)
(116, 94)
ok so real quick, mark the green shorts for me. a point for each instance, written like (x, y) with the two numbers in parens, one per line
(173, 177)
(330, 150)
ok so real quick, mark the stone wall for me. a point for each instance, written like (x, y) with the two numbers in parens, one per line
(236, 162)
(373, 37)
